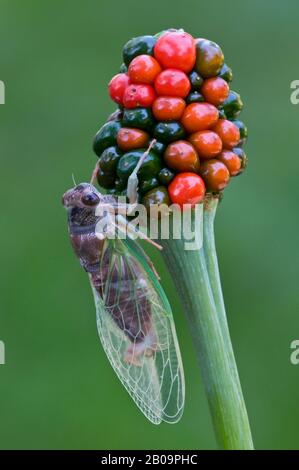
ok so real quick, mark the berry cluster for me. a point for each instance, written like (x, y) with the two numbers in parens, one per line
(173, 95)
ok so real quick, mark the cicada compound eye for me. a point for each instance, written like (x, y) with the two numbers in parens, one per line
(90, 199)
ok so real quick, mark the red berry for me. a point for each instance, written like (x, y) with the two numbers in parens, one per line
(167, 108)
(172, 82)
(215, 90)
(186, 188)
(215, 175)
(141, 96)
(207, 143)
(181, 156)
(117, 87)
(176, 49)
(199, 117)
(143, 69)
(231, 161)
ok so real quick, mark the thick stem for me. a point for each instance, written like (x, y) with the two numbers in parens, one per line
(209, 246)
(189, 272)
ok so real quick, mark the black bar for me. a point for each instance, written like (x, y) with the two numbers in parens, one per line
(137, 458)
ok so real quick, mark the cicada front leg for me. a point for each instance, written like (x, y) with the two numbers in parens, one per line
(126, 227)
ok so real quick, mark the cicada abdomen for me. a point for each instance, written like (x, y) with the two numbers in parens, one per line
(126, 299)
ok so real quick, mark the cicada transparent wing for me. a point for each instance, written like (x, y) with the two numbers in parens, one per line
(137, 331)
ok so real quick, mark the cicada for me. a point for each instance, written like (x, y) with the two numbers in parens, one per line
(134, 318)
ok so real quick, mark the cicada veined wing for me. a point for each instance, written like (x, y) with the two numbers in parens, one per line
(137, 331)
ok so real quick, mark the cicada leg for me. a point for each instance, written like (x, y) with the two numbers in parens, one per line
(130, 229)
(94, 173)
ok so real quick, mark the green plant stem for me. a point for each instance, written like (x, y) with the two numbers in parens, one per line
(210, 208)
(189, 273)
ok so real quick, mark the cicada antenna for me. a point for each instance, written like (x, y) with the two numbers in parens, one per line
(73, 178)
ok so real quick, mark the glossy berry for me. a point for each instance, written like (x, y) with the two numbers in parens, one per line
(209, 58)
(215, 90)
(196, 80)
(138, 96)
(215, 175)
(195, 97)
(128, 139)
(141, 118)
(172, 82)
(228, 133)
(156, 196)
(242, 155)
(226, 73)
(199, 116)
(138, 46)
(243, 130)
(166, 108)
(233, 105)
(181, 156)
(231, 161)
(105, 137)
(109, 160)
(207, 143)
(169, 131)
(148, 185)
(176, 49)
(165, 176)
(117, 87)
(144, 69)
(186, 188)
(158, 147)
(105, 180)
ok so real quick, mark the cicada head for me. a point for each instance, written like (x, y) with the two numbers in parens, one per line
(82, 201)
(84, 196)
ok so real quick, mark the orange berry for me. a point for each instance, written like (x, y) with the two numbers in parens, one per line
(231, 161)
(215, 175)
(207, 143)
(228, 133)
(199, 117)
(167, 108)
(128, 139)
(215, 90)
(144, 69)
(181, 156)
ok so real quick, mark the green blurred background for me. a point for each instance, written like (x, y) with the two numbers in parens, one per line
(57, 390)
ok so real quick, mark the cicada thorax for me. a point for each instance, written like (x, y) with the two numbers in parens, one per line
(124, 294)
(87, 246)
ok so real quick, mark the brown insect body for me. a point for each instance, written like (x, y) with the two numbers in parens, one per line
(119, 301)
